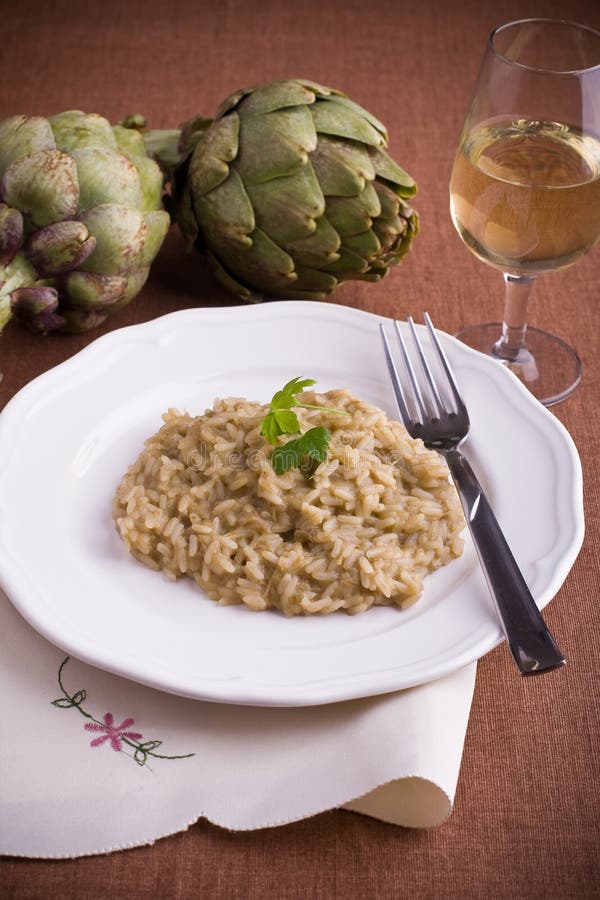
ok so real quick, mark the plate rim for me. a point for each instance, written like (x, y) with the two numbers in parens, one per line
(325, 690)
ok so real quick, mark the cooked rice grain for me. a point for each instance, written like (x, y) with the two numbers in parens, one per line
(376, 517)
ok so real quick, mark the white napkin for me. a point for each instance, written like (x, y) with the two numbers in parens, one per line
(104, 764)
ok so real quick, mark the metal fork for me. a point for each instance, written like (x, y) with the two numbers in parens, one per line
(443, 427)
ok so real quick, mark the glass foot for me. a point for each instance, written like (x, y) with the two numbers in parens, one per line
(547, 365)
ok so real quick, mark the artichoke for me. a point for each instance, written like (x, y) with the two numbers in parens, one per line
(289, 191)
(81, 219)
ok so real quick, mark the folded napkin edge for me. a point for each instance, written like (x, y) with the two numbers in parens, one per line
(365, 804)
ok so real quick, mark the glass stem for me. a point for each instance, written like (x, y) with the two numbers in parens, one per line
(511, 344)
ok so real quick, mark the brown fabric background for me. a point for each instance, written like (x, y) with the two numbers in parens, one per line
(526, 820)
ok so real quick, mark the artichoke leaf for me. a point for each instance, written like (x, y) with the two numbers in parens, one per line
(230, 283)
(380, 266)
(369, 199)
(347, 265)
(157, 224)
(74, 129)
(263, 265)
(393, 255)
(209, 164)
(231, 102)
(389, 199)
(275, 96)
(106, 176)
(186, 218)
(11, 233)
(291, 86)
(120, 235)
(175, 146)
(59, 247)
(365, 244)
(289, 135)
(5, 310)
(43, 186)
(371, 275)
(35, 307)
(404, 245)
(87, 291)
(314, 280)
(76, 321)
(135, 279)
(361, 111)
(319, 89)
(151, 182)
(286, 208)
(353, 215)
(29, 301)
(386, 167)
(389, 231)
(408, 213)
(318, 249)
(226, 212)
(341, 167)
(18, 273)
(347, 217)
(331, 118)
(129, 141)
(22, 136)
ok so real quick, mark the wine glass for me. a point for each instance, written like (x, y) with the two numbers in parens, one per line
(525, 185)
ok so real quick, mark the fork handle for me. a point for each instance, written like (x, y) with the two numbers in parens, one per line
(528, 637)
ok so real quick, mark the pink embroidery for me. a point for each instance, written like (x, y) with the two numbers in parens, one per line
(114, 734)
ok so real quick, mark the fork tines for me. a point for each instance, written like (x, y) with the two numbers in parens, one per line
(435, 400)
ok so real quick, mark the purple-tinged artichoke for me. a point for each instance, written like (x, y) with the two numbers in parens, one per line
(289, 191)
(81, 219)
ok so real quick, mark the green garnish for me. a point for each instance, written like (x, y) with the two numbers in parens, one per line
(305, 452)
(280, 419)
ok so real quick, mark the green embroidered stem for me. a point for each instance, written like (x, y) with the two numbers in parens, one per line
(75, 700)
(139, 746)
(141, 750)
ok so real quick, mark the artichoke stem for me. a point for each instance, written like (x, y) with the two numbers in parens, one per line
(163, 146)
(171, 147)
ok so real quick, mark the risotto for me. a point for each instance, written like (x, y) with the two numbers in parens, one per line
(371, 522)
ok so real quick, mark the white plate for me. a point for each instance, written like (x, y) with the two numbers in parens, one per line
(67, 438)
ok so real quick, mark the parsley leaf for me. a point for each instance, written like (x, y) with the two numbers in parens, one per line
(287, 421)
(285, 398)
(280, 419)
(270, 429)
(307, 450)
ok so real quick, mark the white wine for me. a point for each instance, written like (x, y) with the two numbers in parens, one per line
(525, 195)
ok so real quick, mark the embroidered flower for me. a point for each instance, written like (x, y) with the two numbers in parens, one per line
(115, 734)
(112, 733)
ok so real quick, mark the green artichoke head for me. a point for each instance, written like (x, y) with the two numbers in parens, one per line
(81, 219)
(290, 191)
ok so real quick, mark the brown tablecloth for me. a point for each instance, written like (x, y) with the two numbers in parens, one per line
(526, 820)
